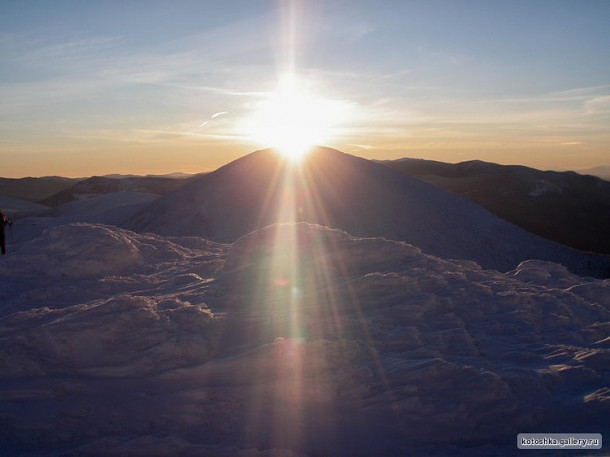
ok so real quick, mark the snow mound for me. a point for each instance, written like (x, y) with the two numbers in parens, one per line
(596, 292)
(82, 250)
(77, 250)
(443, 348)
(13, 206)
(122, 336)
(540, 272)
(364, 198)
(316, 245)
(298, 340)
(108, 209)
(78, 263)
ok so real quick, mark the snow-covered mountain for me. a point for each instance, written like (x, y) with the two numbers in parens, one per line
(34, 189)
(101, 185)
(565, 207)
(111, 209)
(359, 196)
(17, 207)
(295, 340)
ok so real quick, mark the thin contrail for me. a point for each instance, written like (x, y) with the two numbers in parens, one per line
(213, 116)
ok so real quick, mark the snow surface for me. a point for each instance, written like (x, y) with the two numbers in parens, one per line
(359, 196)
(111, 209)
(295, 340)
(16, 206)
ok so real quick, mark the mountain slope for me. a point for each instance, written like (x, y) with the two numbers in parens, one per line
(101, 185)
(110, 209)
(356, 195)
(565, 207)
(13, 207)
(34, 189)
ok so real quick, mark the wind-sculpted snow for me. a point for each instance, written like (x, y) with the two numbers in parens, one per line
(359, 196)
(73, 263)
(15, 206)
(296, 340)
(107, 338)
(445, 348)
(108, 209)
(82, 250)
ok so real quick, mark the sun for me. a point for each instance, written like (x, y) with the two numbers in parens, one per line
(292, 120)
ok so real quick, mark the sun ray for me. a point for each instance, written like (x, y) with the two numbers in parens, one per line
(295, 117)
(300, 291)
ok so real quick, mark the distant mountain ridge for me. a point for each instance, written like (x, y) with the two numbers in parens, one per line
(34, 189)
(359, 196)
(566, 207)
(101, 185)
(55, 190)
(601, 172)
(174, 175)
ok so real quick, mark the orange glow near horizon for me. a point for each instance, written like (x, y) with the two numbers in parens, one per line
(218, 82)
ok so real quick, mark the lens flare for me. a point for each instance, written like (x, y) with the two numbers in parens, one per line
(295, 289)
(292, 119)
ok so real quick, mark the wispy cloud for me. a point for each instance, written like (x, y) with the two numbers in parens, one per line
(598, 105)
(366, 147)
(212, 117)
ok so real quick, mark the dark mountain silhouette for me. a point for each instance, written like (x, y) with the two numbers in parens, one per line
(101, 185)
(359, 196)
(34, 189)
(565, 207)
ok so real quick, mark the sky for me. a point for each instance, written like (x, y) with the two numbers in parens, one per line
(152, 87)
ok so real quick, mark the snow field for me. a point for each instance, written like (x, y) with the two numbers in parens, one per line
(294, 340)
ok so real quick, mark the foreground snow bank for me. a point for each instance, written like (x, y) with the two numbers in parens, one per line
(86, 298)
(82, 250)
(304, 341)
(433, 349)
(122, 336)
(78, 250)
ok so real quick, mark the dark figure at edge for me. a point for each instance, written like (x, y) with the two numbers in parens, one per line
(3, 222)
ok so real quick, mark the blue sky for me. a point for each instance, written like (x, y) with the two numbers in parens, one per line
(91, 87)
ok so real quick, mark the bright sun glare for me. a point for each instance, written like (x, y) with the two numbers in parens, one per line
(292, 120)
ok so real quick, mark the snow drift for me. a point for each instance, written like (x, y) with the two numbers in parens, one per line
(109, 209)
(81, 250)
(359, 196)
(296, 340)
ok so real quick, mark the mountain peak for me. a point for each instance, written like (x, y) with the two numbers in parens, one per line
(359, 196)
